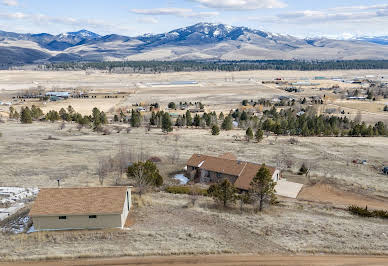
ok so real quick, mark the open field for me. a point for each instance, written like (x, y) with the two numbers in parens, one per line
(30, 159)
(167, 224)
(219, 91)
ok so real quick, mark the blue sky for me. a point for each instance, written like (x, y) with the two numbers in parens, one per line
(303, 18)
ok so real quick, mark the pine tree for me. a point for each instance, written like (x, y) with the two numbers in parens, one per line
(223, 192)
(197, 120)
(166, 123)
(249, 134)
(135, 120)
(263, 186)
(259, 135)
(228, 123)
(189, 119)
(25, 116)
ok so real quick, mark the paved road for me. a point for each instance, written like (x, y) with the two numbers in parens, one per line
(220, 260)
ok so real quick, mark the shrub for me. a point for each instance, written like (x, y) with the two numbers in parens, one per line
(364, 212)
(303, 170)
(215, 130)
(185, 190)
(155, 159)
(172, 105)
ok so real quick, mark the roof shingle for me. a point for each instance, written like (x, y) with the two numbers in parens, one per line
(245, 171)
(79, 201)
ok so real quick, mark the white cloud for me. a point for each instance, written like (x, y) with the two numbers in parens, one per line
(148, 20)
(242, 4)
(344, 14)
(163, 11)
(10, 2)
(179, 12)
(44, 20)
(357, 8)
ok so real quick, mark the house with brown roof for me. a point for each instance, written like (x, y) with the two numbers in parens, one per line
(81, 208)
(211, 169)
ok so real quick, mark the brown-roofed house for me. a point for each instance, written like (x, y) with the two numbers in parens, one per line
(211, 169)
(81, 208)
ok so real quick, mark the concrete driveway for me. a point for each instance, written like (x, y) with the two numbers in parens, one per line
(288, 189)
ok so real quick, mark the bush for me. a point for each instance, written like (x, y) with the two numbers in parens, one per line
(303, 170)
(155, 159)
(215, 130)
(185, 190)
(364, 212)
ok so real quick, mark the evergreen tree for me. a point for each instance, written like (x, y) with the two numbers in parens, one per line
(52, 116)
(135, 120)
(263, 186)
(36, 112)
(153, 118)
(63, 115)
(244, 116)
(103, 118)
(223, 192)
(189, 119)
(221, 116)
(25, 116)
(166, 123)
(227, 124)
(249, 134)
(259, 135)
(197, 120)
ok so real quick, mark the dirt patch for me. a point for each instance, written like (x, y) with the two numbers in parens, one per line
(223, 260)
(329, 194)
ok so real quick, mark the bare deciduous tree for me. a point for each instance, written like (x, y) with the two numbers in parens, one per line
(103, 170)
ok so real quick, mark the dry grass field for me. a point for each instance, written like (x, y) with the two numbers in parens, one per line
(167, 224)
(30, 159)
(37, 154)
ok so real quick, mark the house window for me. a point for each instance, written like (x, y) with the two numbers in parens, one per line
(62, 217)
(218, 175)
(92, 216)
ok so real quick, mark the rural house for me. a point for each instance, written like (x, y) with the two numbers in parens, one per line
(81, 208)
(211, 169)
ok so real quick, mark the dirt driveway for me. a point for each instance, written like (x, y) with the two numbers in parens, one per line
(223, 260)
(329, 194)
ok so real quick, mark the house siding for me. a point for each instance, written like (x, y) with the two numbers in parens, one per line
(83, 221)
(77, 222)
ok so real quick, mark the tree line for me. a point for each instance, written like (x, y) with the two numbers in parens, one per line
(179, 66)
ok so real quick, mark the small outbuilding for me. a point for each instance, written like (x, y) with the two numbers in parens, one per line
(81, 208)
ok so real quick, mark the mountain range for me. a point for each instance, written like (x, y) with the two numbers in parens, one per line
(202, 41)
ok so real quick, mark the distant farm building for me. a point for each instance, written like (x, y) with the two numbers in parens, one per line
(211, 169)
(60, 94)
(81, 208)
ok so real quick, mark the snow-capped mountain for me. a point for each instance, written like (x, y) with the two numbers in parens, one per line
(202, 41)
(374, 39)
